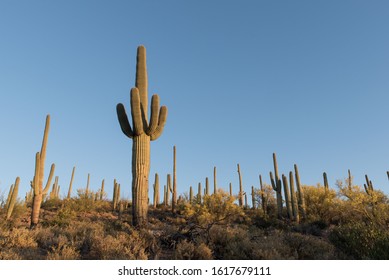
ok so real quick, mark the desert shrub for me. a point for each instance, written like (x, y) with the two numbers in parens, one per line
(186, 250)
(18, 244)
(239, 243)
(359, 206)
(122, 246)
(306, 247)
(217, 208)
(361, 240)
(321, 204)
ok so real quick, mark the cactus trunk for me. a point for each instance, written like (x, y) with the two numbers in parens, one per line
(301, 200)
(277, 186)
(140, 178)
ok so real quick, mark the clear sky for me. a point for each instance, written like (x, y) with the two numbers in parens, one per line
(241, 80)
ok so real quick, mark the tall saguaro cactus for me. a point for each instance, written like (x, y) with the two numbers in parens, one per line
(276, 184)
(37, 183)
(141, 132)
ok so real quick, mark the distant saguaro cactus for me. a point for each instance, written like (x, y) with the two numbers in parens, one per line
(71, 183)
(141, 132)
(301, 200)
(368, 186)
(326, 186)
(174, 198)
(288, 200)
(240, 197)
(13, 195)
(156, 191)
(37, 183)
(276, 184)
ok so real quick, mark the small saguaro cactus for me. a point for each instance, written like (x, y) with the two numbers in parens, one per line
(190, 195)
(71, 183)
(37, 183)
(174, 198)
(101, 195)
(156, 191)
(12, 197)
(199, 194)
(230, 189)
(293, 196)
(326, 186)
(141, 132)
(288, 201)
(263, 201)
(253, 197)
(240, 188)
(214, 180)
(301, 200)
(206, 186)
(87, 186)
(368, 186)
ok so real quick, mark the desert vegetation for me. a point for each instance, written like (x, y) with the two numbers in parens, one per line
(285, 219)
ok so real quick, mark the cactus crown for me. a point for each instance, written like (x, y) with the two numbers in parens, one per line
(139, 96)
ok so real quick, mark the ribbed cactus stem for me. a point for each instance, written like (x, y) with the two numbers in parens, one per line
(246, 205)
(214, 180)
(174, 198)
(87, 186)
(156, 191)
(230, 189)
(190, 195)
(295, 209)
(13, 197)
(263, 201)
(101, 196)
(37, 183)
(301, 200)
(71, 183)
(349, 180)
(199, 194)
(164, 195)
(252, 197)
(276, 184)
(368, 186)
(141, 132)
(168, 188)
(206, 186)
(287, 197)
(240, 197)
(326, 186)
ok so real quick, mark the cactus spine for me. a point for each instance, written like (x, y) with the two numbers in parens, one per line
(301, 200)
(12, 197)
(71, 183)
(37, 183)
(240, 188)
(141, 132)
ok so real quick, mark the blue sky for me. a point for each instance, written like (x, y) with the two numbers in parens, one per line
(241, 80)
